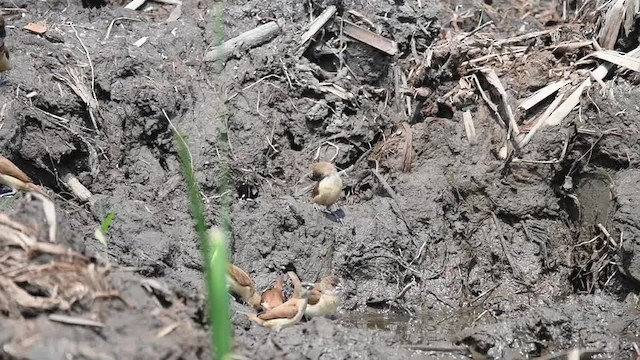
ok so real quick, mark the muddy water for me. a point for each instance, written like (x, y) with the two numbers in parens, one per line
(593, 191)
(423, 328)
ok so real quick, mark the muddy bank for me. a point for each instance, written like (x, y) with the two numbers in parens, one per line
(467, 253)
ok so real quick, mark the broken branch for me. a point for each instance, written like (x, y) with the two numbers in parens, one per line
(246, 40)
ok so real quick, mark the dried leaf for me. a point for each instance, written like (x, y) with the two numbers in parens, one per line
(542, 94)
(608, 34)
(567, 106)
(541, 120)
(494, 80)
(624, 60)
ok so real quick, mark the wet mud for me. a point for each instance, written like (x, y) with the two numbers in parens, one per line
(463, 255)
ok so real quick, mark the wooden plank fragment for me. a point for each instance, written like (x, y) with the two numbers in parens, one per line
(370, 38)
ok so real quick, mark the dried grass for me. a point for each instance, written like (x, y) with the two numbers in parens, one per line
(39, 276)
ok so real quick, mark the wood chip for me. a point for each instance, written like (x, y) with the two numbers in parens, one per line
(36, 28)
(167, 330)
(469, 127)
(370, 38)
(141, 41)
(80, 191)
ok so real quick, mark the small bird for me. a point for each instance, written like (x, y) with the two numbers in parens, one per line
(285, 315)
(329, 185)
(324, 298)
(16, 179)
(241, 284)
(5, 64)
(273, 297)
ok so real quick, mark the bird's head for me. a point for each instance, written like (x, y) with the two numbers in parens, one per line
(321, 170)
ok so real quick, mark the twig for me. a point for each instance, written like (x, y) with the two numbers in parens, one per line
(541, 243)
(484, 293)
(331, 144)
(113, 22)
(316, 25)
(71, 320)
(567, 354)
(477, 29)
(514, 266)
(136, 4)
(286, 73)
(252, 85)
(179, 135)
(493, 79)
(246, 40)
(407, 157)
(436, 348)
(93, 75)
(395, 204)
(78, 87)
(405, 289)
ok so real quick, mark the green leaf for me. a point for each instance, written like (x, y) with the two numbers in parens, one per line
(106, 223)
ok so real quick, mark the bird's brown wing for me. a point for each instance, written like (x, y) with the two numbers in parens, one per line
(315, 191)
(239, 275)
(273, 296)
(314, 296)
(285, 311)
(9, 168)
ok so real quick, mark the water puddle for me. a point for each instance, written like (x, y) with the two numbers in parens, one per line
(424, 328)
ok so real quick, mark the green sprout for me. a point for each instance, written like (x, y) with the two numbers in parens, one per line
(220, 296)
(101, 232)
(211, 243)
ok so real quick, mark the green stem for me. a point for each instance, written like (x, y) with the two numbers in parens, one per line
(215, 269)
